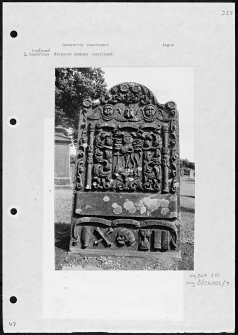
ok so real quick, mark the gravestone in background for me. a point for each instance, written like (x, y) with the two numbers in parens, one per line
(127, 198)
(62, 157)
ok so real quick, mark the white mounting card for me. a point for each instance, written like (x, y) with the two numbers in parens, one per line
(187, 46)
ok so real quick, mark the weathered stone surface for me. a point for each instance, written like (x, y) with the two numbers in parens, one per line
(127, 196)
(127, 204)
(62, 157)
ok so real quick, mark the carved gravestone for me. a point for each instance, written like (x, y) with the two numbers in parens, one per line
(126, 197)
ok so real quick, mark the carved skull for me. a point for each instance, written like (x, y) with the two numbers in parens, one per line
(124, 88)
(125, 236)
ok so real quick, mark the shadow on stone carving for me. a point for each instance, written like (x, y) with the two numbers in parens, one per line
(62, 236)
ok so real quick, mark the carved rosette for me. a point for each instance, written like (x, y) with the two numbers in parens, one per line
(87, 102)
(128, 93)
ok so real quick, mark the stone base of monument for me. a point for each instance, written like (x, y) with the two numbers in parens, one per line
(124, 253)
(125, 238)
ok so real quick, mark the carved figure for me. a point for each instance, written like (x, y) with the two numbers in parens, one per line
(149, 113)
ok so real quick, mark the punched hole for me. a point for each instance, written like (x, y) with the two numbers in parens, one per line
(13, 121)
(13, 211)
(13, 33)
(13, 299)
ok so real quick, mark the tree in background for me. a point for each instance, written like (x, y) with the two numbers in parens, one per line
(72, 86)
(187, 164)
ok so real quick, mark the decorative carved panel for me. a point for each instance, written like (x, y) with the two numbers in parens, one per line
(127, 173)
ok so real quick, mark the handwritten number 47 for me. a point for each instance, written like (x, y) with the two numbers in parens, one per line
(13, 323)
(227, 12)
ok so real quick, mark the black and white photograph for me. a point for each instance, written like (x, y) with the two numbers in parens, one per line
(124, 168)
(118, 167)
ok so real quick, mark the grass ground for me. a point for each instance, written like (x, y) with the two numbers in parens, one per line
(65, 261)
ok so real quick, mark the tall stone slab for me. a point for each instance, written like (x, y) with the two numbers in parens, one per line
(127, 189)
(62, 157)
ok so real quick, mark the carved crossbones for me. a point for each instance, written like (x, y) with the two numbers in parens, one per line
(103, 237)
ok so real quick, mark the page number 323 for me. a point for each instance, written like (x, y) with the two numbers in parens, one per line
(227, 12)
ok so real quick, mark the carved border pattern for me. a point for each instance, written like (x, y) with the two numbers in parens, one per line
(82, 144)
(173, 156)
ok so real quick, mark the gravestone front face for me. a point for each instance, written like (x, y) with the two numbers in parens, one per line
(62, 157)
(127, 198)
